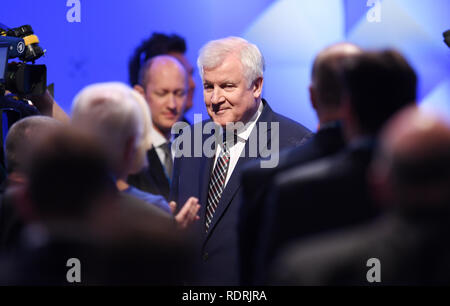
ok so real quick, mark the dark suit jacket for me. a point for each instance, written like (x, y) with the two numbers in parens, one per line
(410, 250)
(11, 223)
(152, 179)
(320, 196)
(256, 182)
(218, 249)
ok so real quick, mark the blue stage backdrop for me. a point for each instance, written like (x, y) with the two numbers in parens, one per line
(289, 33)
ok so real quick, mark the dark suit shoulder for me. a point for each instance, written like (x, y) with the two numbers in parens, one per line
(291, 131)
(341, 257)
(312, 261)
(347, 164)
(312, 171)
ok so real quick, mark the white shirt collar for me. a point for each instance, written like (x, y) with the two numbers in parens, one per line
(157, 138)
(244, 132)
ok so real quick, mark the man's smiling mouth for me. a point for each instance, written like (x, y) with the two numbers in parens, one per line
(221, 111)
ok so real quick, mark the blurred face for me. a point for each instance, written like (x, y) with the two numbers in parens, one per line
(228, 96)
(191, 84)
(165, 91)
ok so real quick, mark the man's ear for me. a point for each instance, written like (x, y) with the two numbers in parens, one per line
(312, 96)
(257, 87)
(23, 203)
(139, 89)
(130, 149)
(379, 186)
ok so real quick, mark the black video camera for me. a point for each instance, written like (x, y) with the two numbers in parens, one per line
(21, 78)
(446, 35)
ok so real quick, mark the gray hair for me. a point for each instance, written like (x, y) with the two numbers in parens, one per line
(110, 112)
(145, 142)
(22, 138)
(214, 53)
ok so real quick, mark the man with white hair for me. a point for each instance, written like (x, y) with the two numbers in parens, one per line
(112, 113)
(232, 74)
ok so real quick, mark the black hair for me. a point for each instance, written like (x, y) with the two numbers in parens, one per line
(157, 44)
(379, 83)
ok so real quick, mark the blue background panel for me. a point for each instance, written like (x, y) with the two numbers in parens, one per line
(289, 33)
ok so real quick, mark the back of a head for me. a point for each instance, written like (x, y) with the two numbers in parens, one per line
(326, 74)
(212, 54)
(111, 113)
(23, 136)
(157, 44)
(67, 174)
(378, 84)
(414, 161)
(145, 142)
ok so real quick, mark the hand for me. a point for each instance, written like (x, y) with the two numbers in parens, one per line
(48, 106)
(187, 214)
(42, 102)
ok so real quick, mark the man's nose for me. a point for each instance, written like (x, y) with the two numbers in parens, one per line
(172, 103)
(217, 96)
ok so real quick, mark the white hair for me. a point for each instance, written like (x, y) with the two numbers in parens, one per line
(145, 142)
(214, 53)
(110, 112)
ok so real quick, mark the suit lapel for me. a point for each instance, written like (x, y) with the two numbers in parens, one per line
(157, 171)
(234, 183)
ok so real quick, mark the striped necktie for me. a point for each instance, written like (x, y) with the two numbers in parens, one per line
(217, 183)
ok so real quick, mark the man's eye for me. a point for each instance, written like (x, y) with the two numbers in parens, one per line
(228, 85)
(180, 93)
(160, 93)
(207, 86)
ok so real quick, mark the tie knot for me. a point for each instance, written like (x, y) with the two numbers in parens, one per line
(229, 139)
(166, 147)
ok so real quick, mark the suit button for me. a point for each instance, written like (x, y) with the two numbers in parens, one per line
(205, 256)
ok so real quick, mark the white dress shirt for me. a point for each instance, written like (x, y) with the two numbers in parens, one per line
(236, 149)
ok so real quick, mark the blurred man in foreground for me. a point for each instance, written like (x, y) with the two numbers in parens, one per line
(409, 177)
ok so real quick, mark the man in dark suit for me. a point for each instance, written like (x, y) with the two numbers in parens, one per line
(232, 73)
(155, 178)
(408, 245)
(164, 84)
(325, 94)
(331, 193)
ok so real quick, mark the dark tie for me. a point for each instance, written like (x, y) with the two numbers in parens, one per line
(168, 162)
(217, 183)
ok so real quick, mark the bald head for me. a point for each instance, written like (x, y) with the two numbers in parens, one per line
(23, 136)
(160, 66)
(414, 159)
(164, 85)
(415, 133)
(326, 87)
